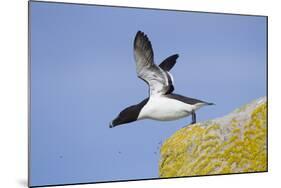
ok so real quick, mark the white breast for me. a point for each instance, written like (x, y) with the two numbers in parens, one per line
(165, 109)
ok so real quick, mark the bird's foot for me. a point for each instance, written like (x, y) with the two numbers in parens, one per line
(193, 122)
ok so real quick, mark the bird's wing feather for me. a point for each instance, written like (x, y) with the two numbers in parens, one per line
(167, 65)
(157, 78)
(169, 62)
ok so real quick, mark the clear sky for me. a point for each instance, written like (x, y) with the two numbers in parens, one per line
(83, 75)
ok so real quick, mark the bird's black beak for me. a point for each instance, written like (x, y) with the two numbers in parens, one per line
(111, 125)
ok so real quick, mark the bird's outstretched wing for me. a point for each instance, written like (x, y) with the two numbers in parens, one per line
(167, 65)
(159, 81)
(169, 62)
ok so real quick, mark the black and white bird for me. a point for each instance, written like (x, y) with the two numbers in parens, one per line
(162, 104)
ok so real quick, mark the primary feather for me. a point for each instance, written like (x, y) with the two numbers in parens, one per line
(159, 80)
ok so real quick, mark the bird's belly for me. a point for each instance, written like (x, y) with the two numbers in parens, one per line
(165, 109)
(167, 115)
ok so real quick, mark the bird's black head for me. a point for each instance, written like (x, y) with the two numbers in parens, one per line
(128, 115)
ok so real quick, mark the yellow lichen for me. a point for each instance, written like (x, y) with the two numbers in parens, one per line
(202, 150)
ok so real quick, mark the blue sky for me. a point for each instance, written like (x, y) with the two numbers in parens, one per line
(83, 75)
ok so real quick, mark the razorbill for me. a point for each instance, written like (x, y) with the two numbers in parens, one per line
(162, 104)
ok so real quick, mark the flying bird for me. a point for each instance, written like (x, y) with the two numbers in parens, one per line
(162, 104)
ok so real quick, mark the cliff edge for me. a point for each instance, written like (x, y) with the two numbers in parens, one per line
(234, 143)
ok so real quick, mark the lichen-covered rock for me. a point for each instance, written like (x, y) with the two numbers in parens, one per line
(231, 144)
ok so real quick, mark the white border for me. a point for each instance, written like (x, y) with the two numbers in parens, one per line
(13, 91)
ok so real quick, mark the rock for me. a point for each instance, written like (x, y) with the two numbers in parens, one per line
(232, 144)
